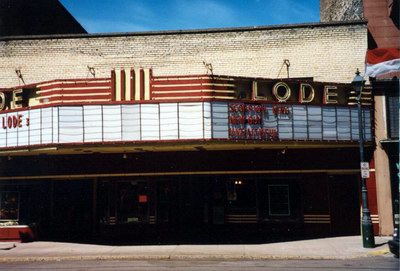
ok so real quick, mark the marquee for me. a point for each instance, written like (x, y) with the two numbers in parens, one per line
(133, 105)
(180, 121)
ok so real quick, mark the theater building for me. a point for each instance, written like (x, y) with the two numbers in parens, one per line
(215, 135)
(189, 156)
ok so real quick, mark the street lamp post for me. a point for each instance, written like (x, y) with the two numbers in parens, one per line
(366, 222)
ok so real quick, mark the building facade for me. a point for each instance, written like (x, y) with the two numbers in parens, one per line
(224, 135)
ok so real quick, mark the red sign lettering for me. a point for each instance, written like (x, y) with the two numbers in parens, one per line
(12, 122)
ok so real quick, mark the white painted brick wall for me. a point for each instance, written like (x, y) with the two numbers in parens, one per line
(327, 53)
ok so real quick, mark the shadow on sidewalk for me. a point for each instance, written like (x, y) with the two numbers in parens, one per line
(381, 244)
(216, 237)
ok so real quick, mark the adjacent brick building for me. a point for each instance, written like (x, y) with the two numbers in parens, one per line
(341, 10)
(39, 17)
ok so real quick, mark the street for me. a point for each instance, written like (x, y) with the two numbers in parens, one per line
(386, 262)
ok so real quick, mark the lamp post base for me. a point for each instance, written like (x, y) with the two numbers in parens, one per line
(367, 233)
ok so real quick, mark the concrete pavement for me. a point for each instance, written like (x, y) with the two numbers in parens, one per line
(326, 248)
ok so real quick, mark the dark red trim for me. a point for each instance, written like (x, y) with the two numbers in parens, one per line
(113, 85)
(82, 98)
(34, 85)
(74, 79)
(122, 85)
(150, 84)
(183, 76)
(155, 80)
(75, 85)
(192, 81)
(191, 94)
(183, 88)
(261, 79)
(62, 83)
(80, 91)
(132, 85)
(141, 84)
(168, 101)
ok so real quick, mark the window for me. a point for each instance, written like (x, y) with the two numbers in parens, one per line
(392, 101)
(279, 204)
(132, 202)
(9, 206)
(241, 194)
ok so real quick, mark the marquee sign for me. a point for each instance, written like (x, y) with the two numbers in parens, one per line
(13, 99)
(13, 122)
(295, 122)
(140, 85)
(134, 105)
(180, 121)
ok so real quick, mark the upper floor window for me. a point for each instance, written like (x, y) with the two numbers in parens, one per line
(392, 110)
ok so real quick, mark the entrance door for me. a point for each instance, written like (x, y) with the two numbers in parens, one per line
(192, 209)
(344, 204)
(72, 209)
(180, 208)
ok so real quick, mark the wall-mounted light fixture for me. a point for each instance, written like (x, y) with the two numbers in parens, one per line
(208, 67)
(92, 71)
(286, 63)
(20, 77)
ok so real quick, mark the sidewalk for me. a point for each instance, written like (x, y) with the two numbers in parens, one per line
(328, 248)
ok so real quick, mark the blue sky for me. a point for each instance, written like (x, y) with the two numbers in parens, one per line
(146, 15)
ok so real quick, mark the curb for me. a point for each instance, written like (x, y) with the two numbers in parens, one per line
(216, 257)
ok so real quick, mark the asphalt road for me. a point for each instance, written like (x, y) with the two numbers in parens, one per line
(371, 263)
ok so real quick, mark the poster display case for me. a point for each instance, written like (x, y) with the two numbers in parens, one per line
(9, 206)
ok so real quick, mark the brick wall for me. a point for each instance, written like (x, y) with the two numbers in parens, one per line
(341, 10)
(327, 52)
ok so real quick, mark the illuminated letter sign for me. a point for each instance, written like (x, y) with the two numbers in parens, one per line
(255, 96)
(302, 96)
(330, 97)
(16, 99)
(2, 101)
(278, 96)
(10, 100)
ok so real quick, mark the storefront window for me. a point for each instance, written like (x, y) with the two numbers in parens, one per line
(9, 206)
(279, 204)
(240, 194)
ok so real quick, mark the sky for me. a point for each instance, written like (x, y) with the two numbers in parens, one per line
(103, 16)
